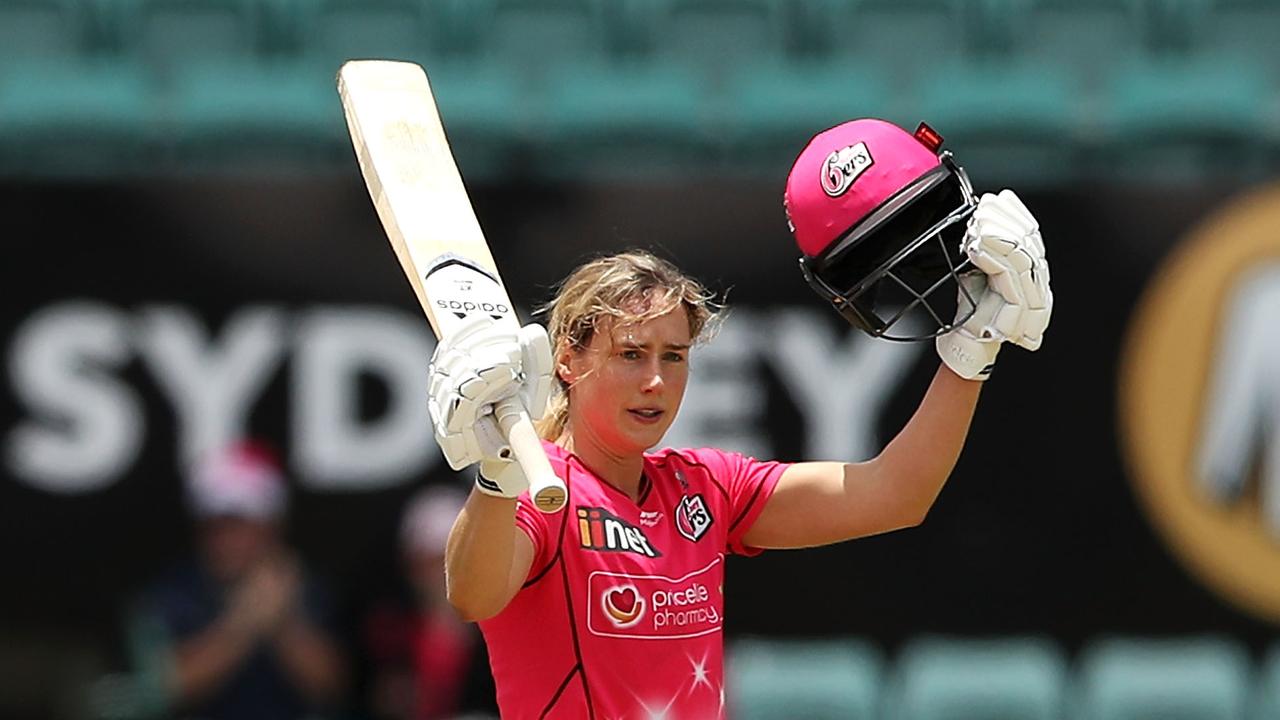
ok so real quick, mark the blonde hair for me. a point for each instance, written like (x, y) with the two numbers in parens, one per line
(629, 288)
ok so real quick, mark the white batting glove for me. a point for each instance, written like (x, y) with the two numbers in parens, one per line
(476, 366)
(1014, 301)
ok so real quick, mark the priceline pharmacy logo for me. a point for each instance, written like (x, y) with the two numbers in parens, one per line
(655, 606)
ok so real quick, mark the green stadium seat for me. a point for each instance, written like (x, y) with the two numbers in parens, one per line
(813, 679)
(333, 31)
(901, 39)
(772, 111)
(74, 117)
(717, 37)
(1091, 36)
(1205, 678)
(1265, 703)
(168, 35)
(1015, 678)
(528, 37)
(1172, 26)
(253, 116)
(1250, 28)
(1007, 120)
(1187, 117)
(621, 119)
(810, 28)
(41, 30)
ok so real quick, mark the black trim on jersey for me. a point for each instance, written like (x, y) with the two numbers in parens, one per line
(559, 545)
(560, 691)
(581, 668)
(646, 485)
(694, 463)
(554, 558)
(747, 508)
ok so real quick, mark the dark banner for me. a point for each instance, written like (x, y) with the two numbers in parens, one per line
(146, 321)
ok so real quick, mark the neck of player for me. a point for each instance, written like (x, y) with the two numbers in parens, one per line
(622, 471)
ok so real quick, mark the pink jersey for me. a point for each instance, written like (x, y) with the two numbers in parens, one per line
(622, 612)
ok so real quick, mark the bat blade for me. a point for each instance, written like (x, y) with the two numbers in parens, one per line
(424, 208)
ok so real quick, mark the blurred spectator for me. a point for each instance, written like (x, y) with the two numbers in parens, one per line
(248, 631)
(427, 664)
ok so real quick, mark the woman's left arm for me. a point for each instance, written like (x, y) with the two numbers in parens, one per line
(819, 503)
(823, 503)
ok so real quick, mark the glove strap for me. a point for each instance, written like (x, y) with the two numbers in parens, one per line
(489, 487)
(968, 357)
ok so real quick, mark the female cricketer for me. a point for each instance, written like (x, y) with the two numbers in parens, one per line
(613, 607)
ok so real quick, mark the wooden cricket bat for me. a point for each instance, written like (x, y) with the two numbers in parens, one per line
(414, 182)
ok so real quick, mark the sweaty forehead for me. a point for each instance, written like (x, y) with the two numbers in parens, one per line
(671, 328)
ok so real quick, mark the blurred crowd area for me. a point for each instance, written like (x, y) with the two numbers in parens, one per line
(159, 265)
(243, 629)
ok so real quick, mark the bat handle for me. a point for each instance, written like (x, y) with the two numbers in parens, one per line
(545, 487)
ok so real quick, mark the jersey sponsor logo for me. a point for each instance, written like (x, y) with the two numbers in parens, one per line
(692, 517)
(602, 531)
(656, 607)
(843, 166)
(650, 518)
(623, 605)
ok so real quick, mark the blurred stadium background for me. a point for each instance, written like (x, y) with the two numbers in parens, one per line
(190, 257)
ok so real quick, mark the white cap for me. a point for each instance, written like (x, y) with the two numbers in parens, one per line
(241, 480)
(429, 518)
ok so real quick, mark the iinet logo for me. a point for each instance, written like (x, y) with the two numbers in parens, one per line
(602, 531)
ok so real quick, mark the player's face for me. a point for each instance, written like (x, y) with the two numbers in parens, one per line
(627, 385)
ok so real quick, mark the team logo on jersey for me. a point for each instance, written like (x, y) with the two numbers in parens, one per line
(601, 530)
(623, 605)
(692, 517)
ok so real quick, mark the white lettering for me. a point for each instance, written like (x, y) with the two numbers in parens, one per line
(212, 384)
(86, 427)
(725, 401)
(332, 446)
(840, 385)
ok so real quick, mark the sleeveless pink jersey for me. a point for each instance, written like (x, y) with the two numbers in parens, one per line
(622, 612)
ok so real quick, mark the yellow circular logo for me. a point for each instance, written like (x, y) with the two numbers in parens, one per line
(1200, 402)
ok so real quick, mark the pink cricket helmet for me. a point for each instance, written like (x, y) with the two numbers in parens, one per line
(879, 216)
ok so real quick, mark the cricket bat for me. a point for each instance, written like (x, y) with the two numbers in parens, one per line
(427, 215)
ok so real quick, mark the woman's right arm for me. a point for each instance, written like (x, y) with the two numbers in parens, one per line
(487, 558)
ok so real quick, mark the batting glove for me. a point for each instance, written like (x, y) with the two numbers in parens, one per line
(1012, 294)
(475, 367)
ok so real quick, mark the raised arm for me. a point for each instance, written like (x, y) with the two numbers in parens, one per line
(818, 503)
(487, 558)
(826, 502)
(482, 363)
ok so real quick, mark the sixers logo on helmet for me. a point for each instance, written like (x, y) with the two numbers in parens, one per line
(623, 605)
(843, 166)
